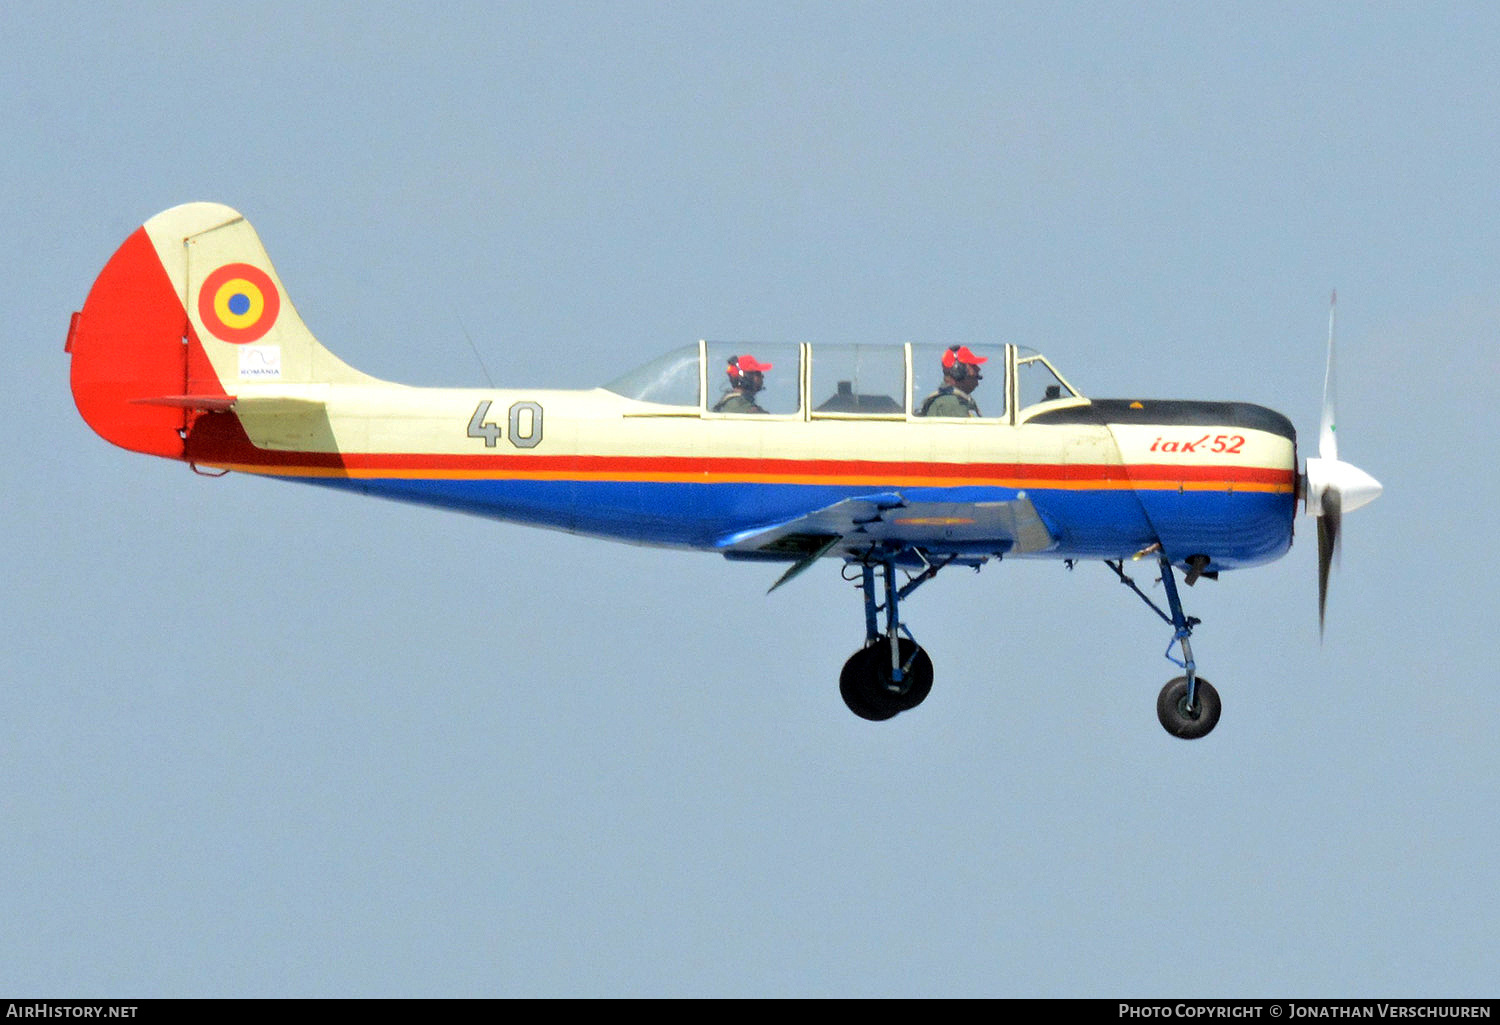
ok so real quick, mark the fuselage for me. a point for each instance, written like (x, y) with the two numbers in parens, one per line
(189, 348)
(1109, 478)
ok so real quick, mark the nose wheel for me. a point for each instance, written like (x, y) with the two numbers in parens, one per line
(1187, 706)
(1188, 719)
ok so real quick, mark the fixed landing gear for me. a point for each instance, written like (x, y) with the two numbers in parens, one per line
(1187, 706)
(891, 673)
(869, 686)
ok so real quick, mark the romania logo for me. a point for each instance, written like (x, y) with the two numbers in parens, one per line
(238, 303)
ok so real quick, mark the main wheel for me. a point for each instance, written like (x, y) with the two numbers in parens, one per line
(1180, 720)
(865, 682)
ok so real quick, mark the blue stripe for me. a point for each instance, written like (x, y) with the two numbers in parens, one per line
(1236, 529)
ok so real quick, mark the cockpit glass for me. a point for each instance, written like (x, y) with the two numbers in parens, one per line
(671, 380)
(1036, 381)
(858, 380)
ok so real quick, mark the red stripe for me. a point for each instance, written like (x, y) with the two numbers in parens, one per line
(678, 466)
(833, 468)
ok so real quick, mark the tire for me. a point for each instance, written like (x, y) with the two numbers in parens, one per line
(865, 680)
(1180, 721)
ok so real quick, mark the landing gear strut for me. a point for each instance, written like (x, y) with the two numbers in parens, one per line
(1187, 706)
(891, 673)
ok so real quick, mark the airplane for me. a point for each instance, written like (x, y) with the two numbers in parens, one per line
(188, 348)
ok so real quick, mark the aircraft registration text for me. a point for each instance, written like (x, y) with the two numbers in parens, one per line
(1230, 444)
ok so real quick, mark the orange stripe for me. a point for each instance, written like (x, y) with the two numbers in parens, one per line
(675, 467)
(1102, 483)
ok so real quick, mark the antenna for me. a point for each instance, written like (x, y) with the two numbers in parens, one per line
(474, 348)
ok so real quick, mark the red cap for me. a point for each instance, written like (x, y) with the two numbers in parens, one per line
(961, 354)
(748, 364)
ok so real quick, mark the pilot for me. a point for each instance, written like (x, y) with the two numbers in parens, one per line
(960, 377)
(747, 376)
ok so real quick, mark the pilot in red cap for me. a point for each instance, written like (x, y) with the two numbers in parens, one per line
(745, 364)
(746, 379)
(960, 377)
(961, 354)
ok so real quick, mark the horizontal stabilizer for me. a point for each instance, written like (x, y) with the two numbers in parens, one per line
(263, 404)
(281, 403)
(206, 403)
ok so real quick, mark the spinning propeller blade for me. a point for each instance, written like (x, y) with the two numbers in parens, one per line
(1331, 486)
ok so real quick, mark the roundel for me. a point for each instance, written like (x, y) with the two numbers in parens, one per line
(238, 303)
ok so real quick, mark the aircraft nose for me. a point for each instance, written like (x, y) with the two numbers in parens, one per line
(1356, 487)
(1360, 488)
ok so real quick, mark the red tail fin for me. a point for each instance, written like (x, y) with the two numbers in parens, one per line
(129, 344)
(187, 316)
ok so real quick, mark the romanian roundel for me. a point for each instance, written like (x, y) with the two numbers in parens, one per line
(238, 303)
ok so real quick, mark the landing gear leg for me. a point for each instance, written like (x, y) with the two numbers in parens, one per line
(891, 673)
(1188, 706)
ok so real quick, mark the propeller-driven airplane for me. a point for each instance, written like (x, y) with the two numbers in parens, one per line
(877, 456)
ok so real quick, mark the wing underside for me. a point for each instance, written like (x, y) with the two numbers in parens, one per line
(968, 532)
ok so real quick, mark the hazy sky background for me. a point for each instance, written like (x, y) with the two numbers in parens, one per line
(259, 739)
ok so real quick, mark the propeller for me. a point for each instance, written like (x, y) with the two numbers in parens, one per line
(1330, 486)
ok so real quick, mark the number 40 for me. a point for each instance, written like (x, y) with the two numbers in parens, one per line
(524, 425)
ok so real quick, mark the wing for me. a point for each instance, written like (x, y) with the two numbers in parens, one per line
(969, 532)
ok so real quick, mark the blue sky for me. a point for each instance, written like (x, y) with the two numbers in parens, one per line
(263, 740)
